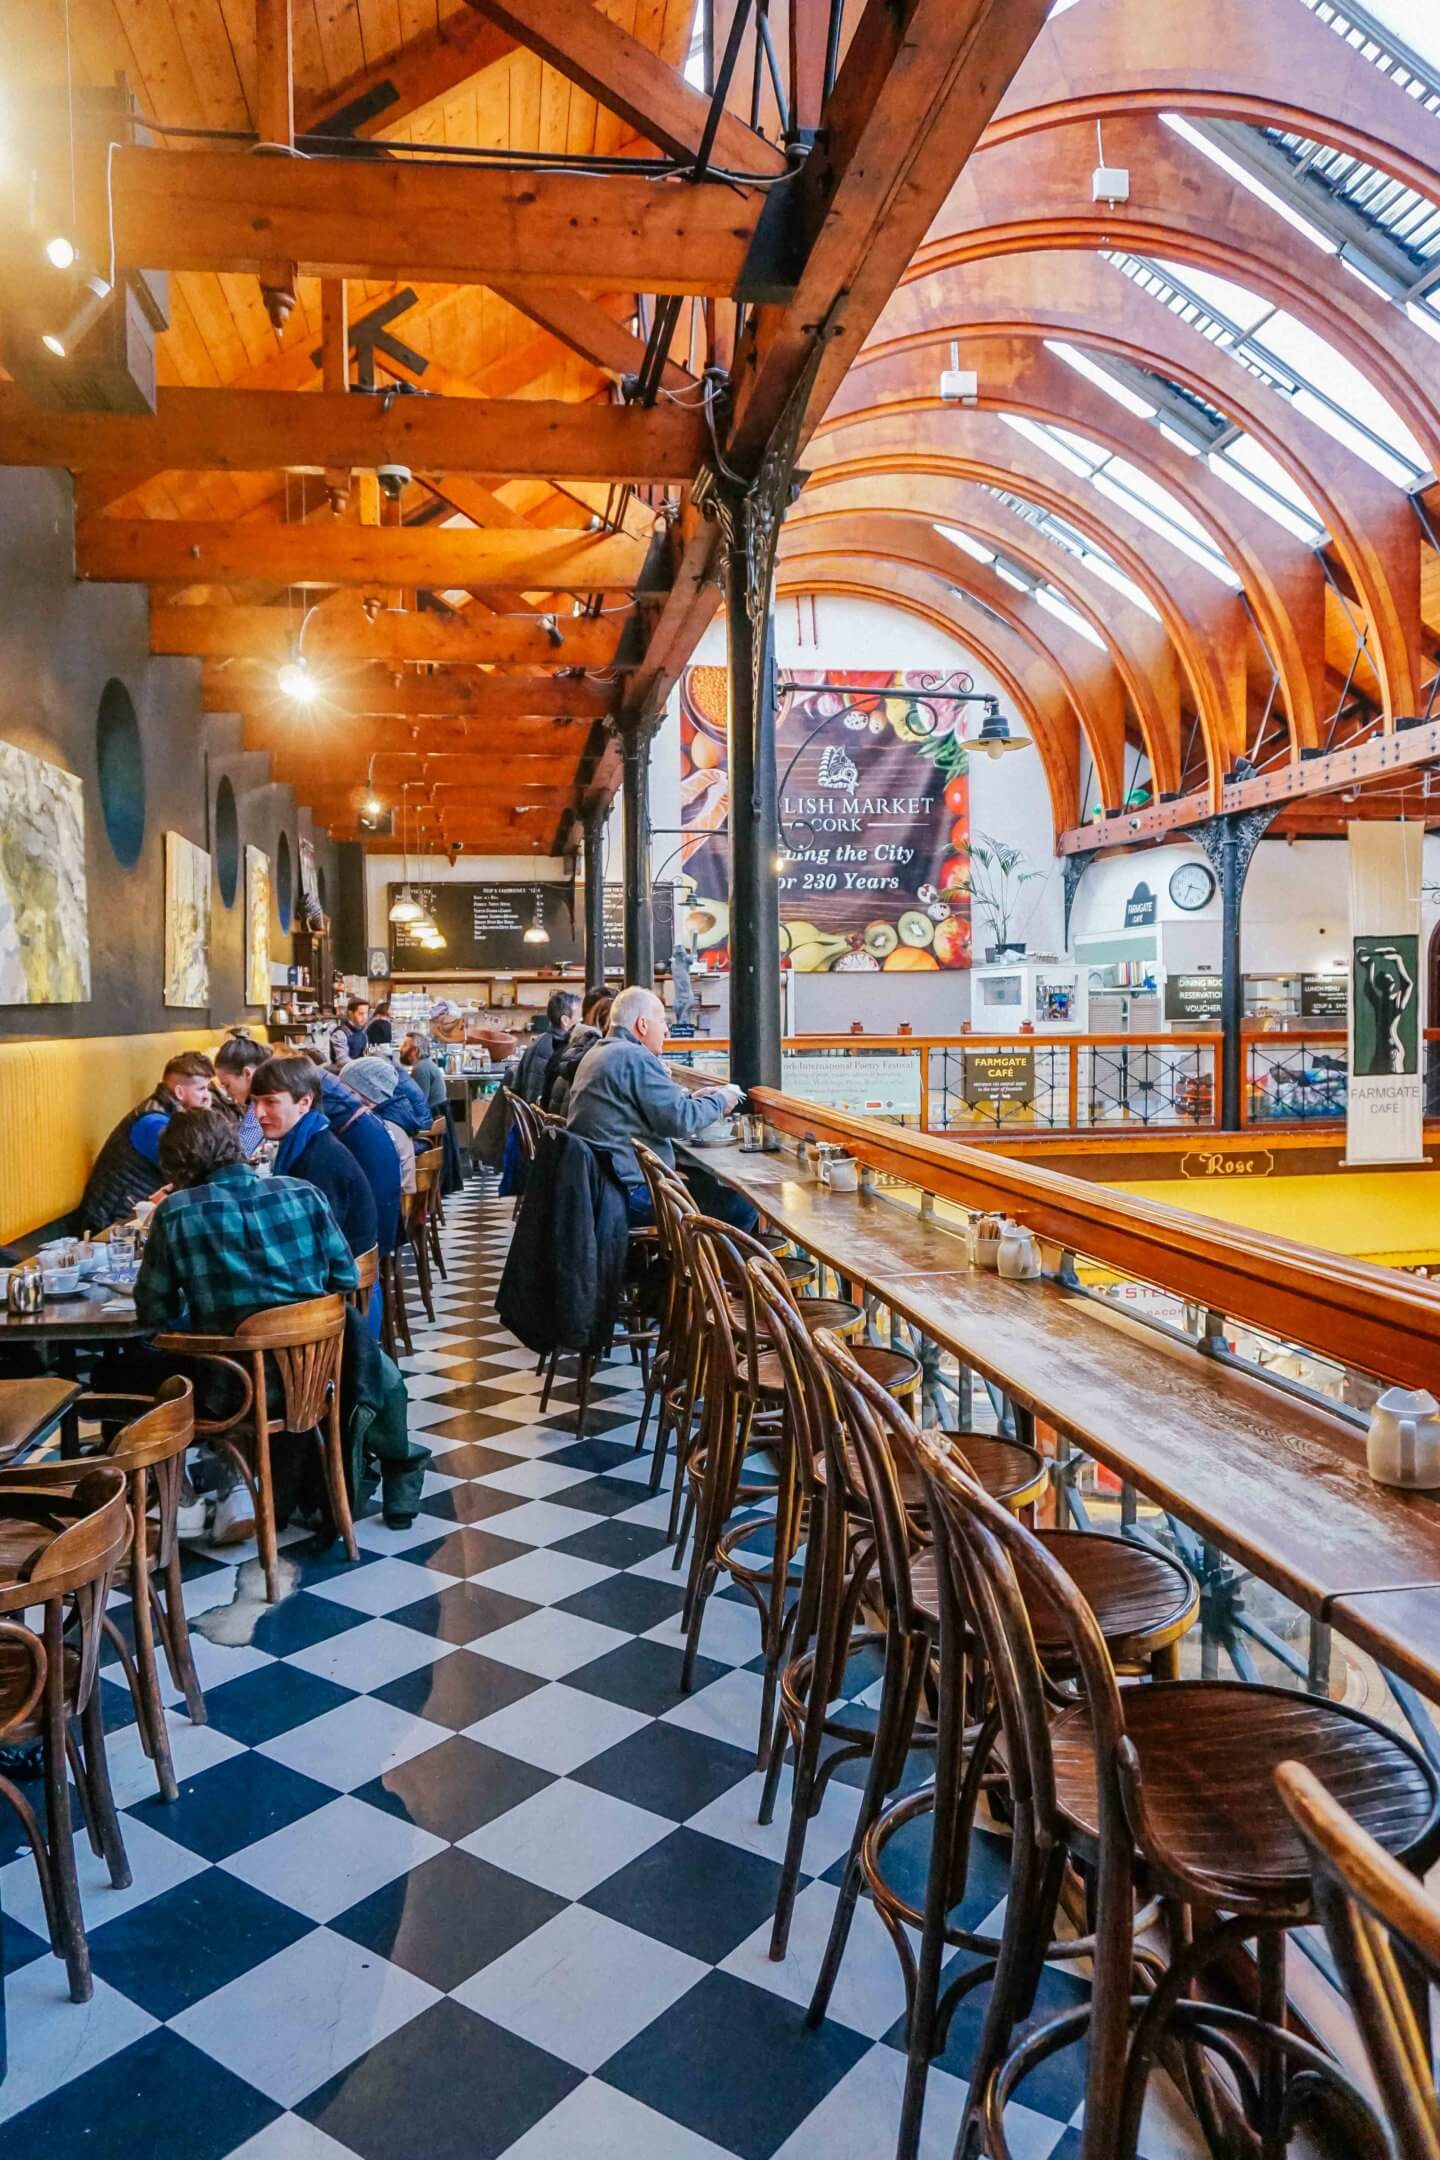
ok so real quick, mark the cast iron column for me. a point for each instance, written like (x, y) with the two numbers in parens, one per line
(754, 831)
(1230, 841)
(639, 914)
(595, 898)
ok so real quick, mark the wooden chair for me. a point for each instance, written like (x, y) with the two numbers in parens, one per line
(394, 1313)
(420, 1231)
(367, 1269)
(1371, 1908)
(1174, 1784)
(304, 1344)
(64, 1530)
(435, 1133)
(147, 1438)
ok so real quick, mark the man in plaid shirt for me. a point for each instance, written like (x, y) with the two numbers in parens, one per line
(226, 1243)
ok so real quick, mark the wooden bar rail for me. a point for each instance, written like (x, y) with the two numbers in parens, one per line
(1384, 1322)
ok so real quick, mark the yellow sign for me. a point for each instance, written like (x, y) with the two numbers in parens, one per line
(1227, 1163)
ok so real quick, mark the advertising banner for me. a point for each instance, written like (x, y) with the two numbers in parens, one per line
(874, 817)
(1385, 1114)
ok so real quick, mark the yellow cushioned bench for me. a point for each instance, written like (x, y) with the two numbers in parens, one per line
(59, 1100)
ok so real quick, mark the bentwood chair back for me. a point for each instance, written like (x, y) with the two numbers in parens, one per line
(1375, 1915)
(367, 1271)
(420, 1225)
(150, 1447)
(65, 1529)
(303, 1343)
(676, 1374)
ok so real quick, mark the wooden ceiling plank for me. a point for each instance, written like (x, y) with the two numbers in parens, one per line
(205, 209)
(448, 693)
(263, 633)
(629, 79)
(435, 558)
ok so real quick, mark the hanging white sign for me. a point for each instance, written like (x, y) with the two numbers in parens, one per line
(1385, 1119)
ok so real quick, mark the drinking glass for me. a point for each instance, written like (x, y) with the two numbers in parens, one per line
(123, 1264)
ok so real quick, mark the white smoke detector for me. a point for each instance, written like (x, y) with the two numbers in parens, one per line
(958, 386)
(1110, 184)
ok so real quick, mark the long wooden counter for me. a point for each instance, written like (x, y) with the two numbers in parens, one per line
(1277, 1484)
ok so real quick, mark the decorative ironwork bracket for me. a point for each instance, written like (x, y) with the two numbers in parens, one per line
(1071, 872)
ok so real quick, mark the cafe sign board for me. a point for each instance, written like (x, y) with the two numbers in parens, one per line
(1140, 908)
(1193, 1000)
(1325, 997)
(998, 1076)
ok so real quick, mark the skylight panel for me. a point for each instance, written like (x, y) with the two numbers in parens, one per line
(1314, 357)
(1051, 441)
(1234, 475)
(1247, 180)
(963, 541)
(1253, 459)
(1101, 377)
(1061, 609)
(1198, 551)
(1101, 566)
(1413, 21)
(1235, 302)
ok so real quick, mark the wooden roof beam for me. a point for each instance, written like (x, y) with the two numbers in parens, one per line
(338, 639)
(271, 430)
(234, 685)
(429, 557)
(458, 225)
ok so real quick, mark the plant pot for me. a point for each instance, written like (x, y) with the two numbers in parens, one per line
(1014, 950)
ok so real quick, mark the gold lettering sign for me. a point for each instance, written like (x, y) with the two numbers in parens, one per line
(1227, 1163)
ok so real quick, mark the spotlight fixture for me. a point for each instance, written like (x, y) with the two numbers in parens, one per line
(995, 737)
(63, 342)
(552, 630)
(297, 683)
(60, 252)
(373, 807)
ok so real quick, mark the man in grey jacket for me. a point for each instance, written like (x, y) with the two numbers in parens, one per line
(623, 1093)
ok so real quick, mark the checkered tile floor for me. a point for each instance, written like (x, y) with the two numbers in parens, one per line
(456, 1871)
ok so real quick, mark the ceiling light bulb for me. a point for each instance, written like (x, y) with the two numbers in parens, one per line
(405, 908)
(537, 934)
(995, 737)
(373, 808)
(60, 252)
(82, 322)
(53, 344)
(298, 683)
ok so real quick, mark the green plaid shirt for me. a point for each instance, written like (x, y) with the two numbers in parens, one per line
(236, 1245)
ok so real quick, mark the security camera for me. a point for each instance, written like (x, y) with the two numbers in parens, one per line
(393, 479)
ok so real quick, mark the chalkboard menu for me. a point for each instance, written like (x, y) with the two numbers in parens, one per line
(485, 926)
(1325, 997)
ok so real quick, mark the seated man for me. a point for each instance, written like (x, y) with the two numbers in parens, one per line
(371, 1080)
(347, 1037)
(532, 1075)
(623, 1092)
(127, 1167)
(369, 1142)
(285, 1093)
(226, 1244)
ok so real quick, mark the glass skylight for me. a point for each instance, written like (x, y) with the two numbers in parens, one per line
(1125, 484)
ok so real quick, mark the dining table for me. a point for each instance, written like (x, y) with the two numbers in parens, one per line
(64, 1329)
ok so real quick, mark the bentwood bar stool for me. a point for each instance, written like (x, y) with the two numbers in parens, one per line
(1372, 1910)
(1144, 1602)
(1169, 1788)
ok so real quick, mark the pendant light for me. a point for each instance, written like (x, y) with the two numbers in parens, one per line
(405, 908)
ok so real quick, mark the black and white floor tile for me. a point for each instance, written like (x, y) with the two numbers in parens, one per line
(456, 1871)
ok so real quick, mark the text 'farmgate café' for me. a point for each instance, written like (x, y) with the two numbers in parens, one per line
(719, 1080)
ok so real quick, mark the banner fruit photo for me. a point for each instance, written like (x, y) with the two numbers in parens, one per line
(874, 820)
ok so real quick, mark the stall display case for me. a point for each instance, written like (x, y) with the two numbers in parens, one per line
(1045, 997)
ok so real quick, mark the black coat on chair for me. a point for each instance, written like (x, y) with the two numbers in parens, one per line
(565, 1270)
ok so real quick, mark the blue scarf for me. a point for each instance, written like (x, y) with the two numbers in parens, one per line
(298, 1139)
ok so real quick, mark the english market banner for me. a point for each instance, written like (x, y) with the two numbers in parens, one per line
(874, 815)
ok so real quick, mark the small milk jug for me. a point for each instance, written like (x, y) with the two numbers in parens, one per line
(1403, 1444)
(1018, 1255)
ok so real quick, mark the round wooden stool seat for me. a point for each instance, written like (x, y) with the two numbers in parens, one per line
(1011, 1472)
(1208, 1753)
(838, 1314)
(797, 1270)
(1143, 1600)
(897, 1371)
(774, 1241)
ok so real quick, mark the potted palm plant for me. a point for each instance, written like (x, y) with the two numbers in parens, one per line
(998, 872)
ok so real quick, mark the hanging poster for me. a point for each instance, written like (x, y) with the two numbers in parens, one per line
(187, 922)
(1385, 1106)
(257, 926)
(44, 919)
(309, 881)
(874, 816)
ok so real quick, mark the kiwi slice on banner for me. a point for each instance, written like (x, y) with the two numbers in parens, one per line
(881, 938)
(916, 928)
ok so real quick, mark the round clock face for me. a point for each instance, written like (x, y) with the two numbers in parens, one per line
(1191, 885)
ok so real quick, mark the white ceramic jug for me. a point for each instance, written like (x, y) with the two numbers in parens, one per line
(1018, 1256)
(1403, 1444)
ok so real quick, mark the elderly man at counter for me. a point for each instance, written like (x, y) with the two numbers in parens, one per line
(623, 1093)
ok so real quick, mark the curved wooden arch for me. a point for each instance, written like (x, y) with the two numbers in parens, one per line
(1269, 62)
(1087, 676)
(1138, 646)
(1028, 682)
(892, 398)
(1018, 197)
(1078, 299)
(1201, 619)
